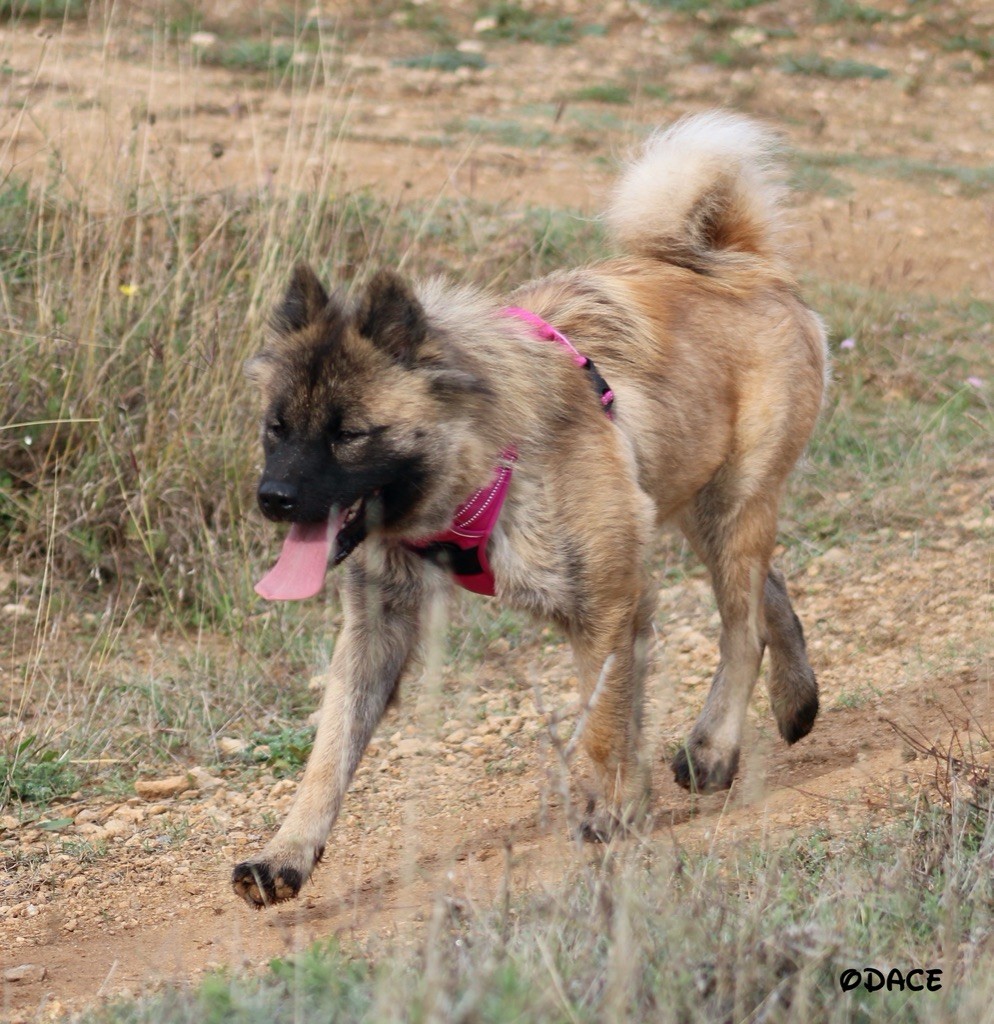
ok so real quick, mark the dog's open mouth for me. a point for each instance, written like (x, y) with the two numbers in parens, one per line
(303, 562)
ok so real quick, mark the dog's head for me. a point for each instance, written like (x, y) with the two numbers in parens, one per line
(360, 402)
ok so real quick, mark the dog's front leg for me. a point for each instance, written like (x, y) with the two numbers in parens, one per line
(380, 632)
(611, 656)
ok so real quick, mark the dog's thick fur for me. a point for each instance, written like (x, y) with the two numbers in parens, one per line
(404, 399)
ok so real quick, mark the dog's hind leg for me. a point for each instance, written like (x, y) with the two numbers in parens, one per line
(380, 632)
(736, 546)
(792, 686)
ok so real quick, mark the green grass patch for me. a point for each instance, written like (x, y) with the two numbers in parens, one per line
(507, 132)
(844, 11)
(825, 67)
(443, 60)
(969, 181)
(982, 46)
(250, 55)
(522, 25)
(605, 93)
(706, 6)
(724, 52)
(808, 177)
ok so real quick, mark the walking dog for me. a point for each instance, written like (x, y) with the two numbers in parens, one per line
(425, 434)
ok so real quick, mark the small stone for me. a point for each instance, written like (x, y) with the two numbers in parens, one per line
(457, 737)
(203, 40)
(203, 780)
(114, 829)
(26, 972)
(130, 814)
(157, 789)
(229, 746)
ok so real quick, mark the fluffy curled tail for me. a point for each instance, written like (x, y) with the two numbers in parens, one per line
(707, 186)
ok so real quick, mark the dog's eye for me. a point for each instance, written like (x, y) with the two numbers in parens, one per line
(345, 436)
(276, 427)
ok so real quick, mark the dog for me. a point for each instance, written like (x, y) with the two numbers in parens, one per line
(675, 383)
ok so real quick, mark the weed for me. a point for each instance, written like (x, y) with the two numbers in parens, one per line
(31, 773)
(83, 851)
(284, 752)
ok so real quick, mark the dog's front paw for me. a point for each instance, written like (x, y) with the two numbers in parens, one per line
(602, 824)
(261, 885)
(702, 770)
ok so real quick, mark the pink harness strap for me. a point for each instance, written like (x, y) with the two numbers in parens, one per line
(548, 333)
(462, 548)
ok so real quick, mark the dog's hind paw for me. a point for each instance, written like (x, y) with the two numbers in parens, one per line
(693, 770)
(255, 882)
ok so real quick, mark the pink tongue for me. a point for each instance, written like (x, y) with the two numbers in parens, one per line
(299, 573)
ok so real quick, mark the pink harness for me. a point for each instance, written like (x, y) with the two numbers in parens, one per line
(462, 548)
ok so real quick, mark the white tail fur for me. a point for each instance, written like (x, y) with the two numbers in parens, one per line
(706, 185)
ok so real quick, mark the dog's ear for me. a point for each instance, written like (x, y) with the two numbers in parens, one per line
(390, 315)
(260, 369)
(304, 302)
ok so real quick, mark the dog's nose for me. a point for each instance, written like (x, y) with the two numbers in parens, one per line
(277, 498)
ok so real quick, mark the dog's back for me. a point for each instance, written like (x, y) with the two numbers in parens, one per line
(698, 326)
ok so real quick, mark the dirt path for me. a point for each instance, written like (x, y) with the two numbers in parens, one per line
(895, 624)
(433, 811)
